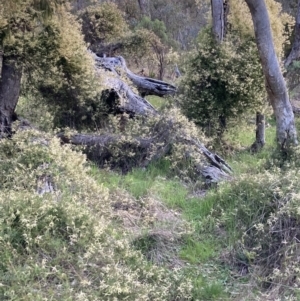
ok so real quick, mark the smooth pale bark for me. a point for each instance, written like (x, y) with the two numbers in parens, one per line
(218, 26)
(121, 98)
(275, 83)
(295, 51)
(10, 85)
(145, 85)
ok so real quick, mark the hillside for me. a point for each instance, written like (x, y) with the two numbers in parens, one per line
(131, 163)
(146, 235)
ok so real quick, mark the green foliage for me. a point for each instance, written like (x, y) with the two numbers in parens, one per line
(223, 82)
(55, 63)
(131, 10)
(154, 233)
(69, 86)
(163, 136)
(208, 291)
(273, 229)
(183, 19)
(24, 28)
(102, 23)
(255, 217)
(162, 234)
(241, 22)
(66, 244)
(197, 251)
(37, 111)
(140, 43)
(156, 101)
(154, 240)
(158, 27)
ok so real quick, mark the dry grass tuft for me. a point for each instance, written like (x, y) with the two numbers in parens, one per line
(155, 230)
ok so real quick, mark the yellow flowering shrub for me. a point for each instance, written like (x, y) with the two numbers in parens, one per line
(63, 243)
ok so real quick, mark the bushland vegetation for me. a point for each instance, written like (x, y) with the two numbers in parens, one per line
(102, 202)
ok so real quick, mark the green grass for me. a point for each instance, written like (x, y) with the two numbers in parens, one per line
(196, 252)
(206, 291)
(68, 245)
(196, 249)
(219, 218)
(241, 138)
(171, 192)
(156, 101)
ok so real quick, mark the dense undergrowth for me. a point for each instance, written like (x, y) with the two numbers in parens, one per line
(243, 238)
(66, 245)
(70, 230)
(147, 235)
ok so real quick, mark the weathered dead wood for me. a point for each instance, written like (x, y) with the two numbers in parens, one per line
(126, 152)
(119, 96)
(216, 168)
(117, 151)
(121, 99)
(220, 9)
(10, 85)
(99, 140)
(214, 159)
(146, 150)
(145, 85)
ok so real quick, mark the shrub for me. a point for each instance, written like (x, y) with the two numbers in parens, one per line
(60, 72)
(223, 83)
(102, 23)
(142, 141)
(259, 216)
(65, 245)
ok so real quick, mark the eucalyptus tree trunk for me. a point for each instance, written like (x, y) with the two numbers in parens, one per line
(220, 9)
(10, 84)
(295, 51)
(275, 83)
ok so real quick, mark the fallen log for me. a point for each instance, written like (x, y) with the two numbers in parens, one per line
(122, 98)
(120, 155)
(126, 152)
(146, 85)
(160, 136)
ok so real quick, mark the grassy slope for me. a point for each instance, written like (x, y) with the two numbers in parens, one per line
(175, 225)
(201, 249)
(194, 252)
(218, 217)
(69, 245)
